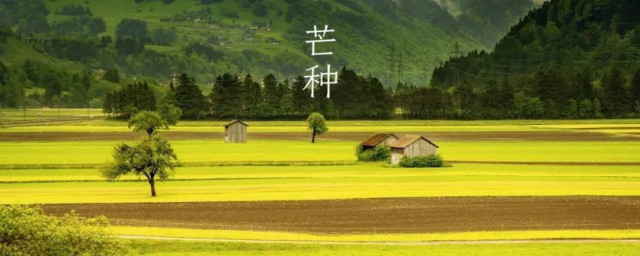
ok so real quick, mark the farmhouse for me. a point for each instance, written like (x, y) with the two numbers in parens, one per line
(412, 146)
(385, 139)
(235, 132)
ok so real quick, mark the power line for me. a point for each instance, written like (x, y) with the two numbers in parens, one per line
(392, 63)
(456, 54)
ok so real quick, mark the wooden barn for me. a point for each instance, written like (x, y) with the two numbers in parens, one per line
(235, 132)
(385, 139)
(412, 146)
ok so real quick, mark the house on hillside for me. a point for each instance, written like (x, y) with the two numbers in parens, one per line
(235, 132)
(412, 146)
(385, 139)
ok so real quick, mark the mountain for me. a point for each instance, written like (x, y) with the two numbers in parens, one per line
(565, 59)
(486, 21)
(395, 40)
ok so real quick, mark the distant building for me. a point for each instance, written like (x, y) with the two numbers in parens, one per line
(235, 132)
(412, 146)
(385, 139)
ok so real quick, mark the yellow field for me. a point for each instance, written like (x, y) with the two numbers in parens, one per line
(266, 170)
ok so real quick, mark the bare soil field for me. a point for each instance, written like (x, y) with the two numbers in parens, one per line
(398, 215)
(339, 136)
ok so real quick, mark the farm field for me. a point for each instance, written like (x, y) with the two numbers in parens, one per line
(508, 180)
(52, 154)
(379, 216)
(264, 183)
(536, 249)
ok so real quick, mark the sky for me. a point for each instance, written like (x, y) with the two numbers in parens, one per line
(453, 8)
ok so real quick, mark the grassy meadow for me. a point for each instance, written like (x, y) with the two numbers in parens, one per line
(68, 172)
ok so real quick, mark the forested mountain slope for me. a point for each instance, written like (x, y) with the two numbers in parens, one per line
(568, 58)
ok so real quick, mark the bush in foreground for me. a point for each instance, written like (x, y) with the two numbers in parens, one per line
(379, 154)
(422, 161)
(28, 231)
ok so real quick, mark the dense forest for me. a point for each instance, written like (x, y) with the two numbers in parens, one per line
(566, 59)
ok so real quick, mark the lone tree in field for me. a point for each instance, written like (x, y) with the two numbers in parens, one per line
(152, 157)
(317, 125)
(148, 121)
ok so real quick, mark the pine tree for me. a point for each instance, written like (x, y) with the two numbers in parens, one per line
(635, 86)
(301, 98)
(345, 94)
(587, 85)
(462, 99)
(189, 98)
(225, 96)
(252, 93)
(616, 98)
(585, 109)
(271, 95)
(108, 104)
(380, 100)
(597, 108)
(285, 103)
(147, 99)
(506, 99)
(4, 74)
(553, 93)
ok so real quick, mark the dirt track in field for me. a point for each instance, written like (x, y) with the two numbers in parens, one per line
(398, 215)
(340, 136)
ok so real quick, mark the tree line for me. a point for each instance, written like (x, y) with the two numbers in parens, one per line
(548, 94)
(231, 96)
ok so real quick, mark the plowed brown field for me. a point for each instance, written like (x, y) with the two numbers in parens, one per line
(398, 215)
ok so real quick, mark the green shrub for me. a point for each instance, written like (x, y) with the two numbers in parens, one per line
(28, 231)
(422, 161)
(379, 154)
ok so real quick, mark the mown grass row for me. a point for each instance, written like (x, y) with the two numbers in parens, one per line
(162, 248)
(258, 183)
(375, 238)
(370, 170)
(72, 154)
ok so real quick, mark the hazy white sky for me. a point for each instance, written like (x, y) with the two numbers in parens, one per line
(453, 8)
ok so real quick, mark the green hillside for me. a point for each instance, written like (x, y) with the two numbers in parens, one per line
(72, 52)
(423, 32)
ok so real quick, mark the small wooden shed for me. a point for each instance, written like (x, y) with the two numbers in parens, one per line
(235, 132)
(385, 139)
(412, 146)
